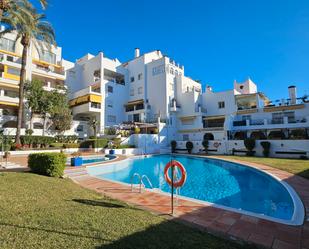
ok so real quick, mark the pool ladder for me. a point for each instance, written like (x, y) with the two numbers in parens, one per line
(140, 181)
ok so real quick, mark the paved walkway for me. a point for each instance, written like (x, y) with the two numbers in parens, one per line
(214, 220)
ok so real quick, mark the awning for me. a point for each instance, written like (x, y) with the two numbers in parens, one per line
(187, 117)
(214, 117)
(135, 102)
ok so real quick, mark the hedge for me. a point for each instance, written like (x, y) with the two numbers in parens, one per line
(36, 141)
(91, 143)
(49, 164)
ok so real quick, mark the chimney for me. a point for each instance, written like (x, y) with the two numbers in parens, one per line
(136, 52)
(208, 88)
(292, 94)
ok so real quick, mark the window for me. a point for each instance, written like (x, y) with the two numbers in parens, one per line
(221, 104)
(13, 70)
(95, 105)
(140, 90)
(80, 128)
(110, 103)
(171, 71)
(132, 92)
(129, 108)
(48, 57)
(110, 89)
(139, 107)
(185, 137)
(140, 76)
(158, 70)
(132, 79)
(111, 118)
(7, 44)
(10, 58)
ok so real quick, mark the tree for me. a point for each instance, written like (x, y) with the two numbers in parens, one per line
(93, 122)
(35, 96)
(35, 30)
(15, 7)
(58, 108)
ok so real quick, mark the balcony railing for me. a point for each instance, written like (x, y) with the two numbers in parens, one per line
(240, 123)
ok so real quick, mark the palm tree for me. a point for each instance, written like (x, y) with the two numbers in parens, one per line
(12, 7)
(35, 30)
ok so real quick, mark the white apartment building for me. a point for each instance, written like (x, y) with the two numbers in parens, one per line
(142, 90)
(152, 87)
(47, 66)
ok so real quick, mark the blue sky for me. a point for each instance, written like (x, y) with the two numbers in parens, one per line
(217, 41)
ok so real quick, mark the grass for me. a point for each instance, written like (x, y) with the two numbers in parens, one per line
(295, 166)
(44, 212)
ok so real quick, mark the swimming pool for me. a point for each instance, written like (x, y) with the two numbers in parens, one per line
(225, 184)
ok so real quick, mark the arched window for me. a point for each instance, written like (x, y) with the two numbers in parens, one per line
(208, 136)
(259, 135)
(240, 135)
(276, 135)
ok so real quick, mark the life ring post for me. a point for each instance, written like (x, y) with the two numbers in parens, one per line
(171, 180)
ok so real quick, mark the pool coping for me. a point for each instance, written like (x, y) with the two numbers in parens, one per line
(276, 242)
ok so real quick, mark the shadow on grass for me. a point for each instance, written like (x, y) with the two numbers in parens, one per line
(99, 203)
(172, 235)
(41, 229)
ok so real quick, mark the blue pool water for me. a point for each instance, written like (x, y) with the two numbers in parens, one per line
(97, 159)
(216, 181)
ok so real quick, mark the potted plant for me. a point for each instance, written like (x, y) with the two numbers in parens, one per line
(205, 144)
(249, 144)
(76, 159)
(173, 145)
(189, 146)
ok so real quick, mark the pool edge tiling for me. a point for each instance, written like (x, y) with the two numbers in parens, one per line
(211, 219)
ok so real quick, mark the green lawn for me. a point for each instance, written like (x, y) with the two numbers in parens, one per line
(294, 166)
(43, 212)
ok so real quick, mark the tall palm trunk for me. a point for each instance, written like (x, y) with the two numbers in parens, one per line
(4, 5)
(25, 42)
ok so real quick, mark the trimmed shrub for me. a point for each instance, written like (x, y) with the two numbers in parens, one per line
(137, 130)
(124, 146)
(36, 141)
(70, 145)
(173, 145)
(249, 144)
(189, 146)
(93, 143)
(49, 164)
(205, 144)
(266, 148)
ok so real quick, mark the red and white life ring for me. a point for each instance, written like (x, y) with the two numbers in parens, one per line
(216, 144)
(182, 169)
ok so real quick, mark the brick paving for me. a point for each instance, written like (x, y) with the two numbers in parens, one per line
(217, 221)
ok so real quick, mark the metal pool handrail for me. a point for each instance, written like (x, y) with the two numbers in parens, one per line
(146, 177)
(140, 181)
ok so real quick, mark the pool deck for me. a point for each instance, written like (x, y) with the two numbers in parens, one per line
(214, 220)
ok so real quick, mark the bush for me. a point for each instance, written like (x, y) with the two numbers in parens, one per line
(110, 131)
(70, 145)
(36, 141)
(137, 130)
(266, 148)
(124, 146)
(173, 145)
(66, 139)
(249, 144)
(49, 164)
(205, 144)
(189, 146)
(93, 143)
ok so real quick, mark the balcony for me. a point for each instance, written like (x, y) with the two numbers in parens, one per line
(284, 122)
(48, 68)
